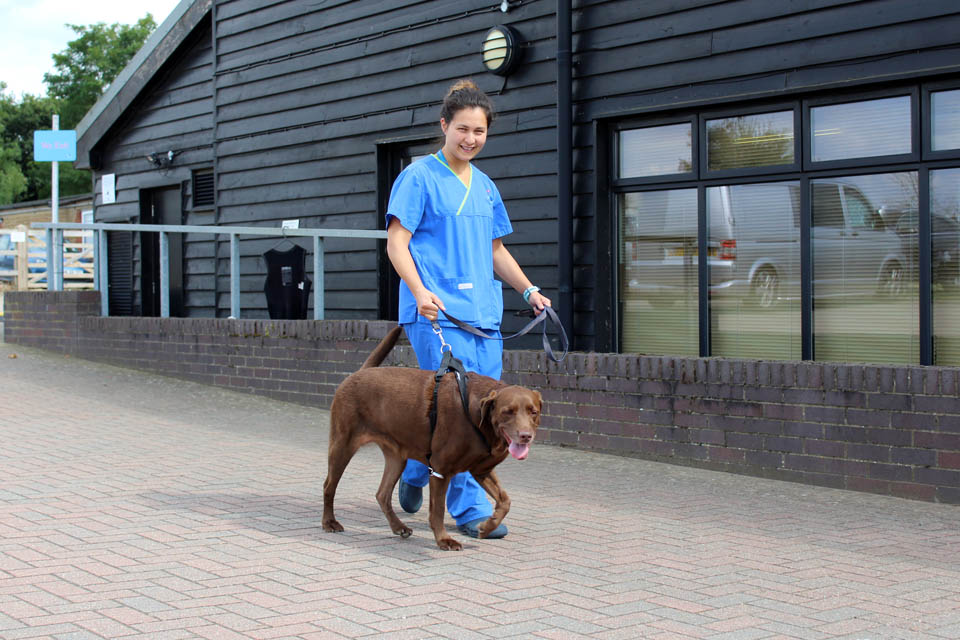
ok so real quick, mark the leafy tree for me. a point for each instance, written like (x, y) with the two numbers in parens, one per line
(90, 63)
(84, 70)
(12, 181)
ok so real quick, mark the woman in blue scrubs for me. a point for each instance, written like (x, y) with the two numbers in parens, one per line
(445, 222)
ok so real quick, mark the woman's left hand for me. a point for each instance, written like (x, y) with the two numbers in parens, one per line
(538, 301)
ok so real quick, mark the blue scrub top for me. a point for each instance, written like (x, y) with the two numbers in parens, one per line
(453, 226)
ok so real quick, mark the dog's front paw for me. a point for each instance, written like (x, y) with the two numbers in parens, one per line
(449, 544)
(332, 526)
(487, 528)
(403, 531)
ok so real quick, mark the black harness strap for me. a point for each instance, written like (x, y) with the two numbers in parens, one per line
(448, 364)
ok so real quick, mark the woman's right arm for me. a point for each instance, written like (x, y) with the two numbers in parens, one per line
(398, 250)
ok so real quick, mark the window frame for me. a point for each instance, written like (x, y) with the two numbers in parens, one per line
(926, 121)
(703, 117)
(912, 91)
(627, 125)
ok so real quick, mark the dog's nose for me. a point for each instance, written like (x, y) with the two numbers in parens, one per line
(524, 437)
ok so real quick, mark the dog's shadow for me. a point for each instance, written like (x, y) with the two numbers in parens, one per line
(291, 517)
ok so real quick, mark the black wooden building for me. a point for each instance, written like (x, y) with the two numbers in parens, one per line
(739, 178)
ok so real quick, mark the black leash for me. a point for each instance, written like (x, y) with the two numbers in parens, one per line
(547, 314)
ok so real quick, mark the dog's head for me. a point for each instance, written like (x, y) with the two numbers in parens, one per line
(513, 413)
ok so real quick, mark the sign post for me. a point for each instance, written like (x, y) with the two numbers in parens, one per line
(55, 146)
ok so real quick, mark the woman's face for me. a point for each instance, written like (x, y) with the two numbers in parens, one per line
(465, 134)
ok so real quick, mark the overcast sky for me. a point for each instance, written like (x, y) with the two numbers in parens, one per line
(31, 31)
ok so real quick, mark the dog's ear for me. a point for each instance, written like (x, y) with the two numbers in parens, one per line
(486, 406)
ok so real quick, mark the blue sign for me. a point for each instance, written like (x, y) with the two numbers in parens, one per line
(54, 146)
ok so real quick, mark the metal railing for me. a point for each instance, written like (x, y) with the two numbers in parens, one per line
(101, 282)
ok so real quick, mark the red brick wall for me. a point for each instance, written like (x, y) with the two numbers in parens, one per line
(883, 429)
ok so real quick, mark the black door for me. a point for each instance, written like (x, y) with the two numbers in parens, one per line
(391, 160)
(161, 206)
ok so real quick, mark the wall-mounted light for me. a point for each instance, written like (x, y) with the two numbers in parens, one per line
(160, 160)
(501, 50)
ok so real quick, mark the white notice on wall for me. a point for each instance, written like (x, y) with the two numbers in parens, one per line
(290, 224)
(108, 184)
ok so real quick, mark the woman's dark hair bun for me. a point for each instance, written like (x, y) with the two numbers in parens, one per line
(465, 94)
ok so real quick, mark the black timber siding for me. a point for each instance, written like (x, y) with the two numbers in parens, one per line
(304, 93)
(175, 113)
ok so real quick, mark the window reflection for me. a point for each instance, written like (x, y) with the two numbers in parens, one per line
(759, 140)
(754, 253)
(864, 268)
(861, 129)
(945, 120)
(658, 272)
(655, 151)
(945, 263)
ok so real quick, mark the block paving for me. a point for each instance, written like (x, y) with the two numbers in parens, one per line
(140, 506)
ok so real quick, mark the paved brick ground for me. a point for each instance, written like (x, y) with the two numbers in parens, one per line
(134, 506)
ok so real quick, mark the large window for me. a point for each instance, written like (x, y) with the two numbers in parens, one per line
(826, 225)
(754, 250)
(864, 277)
(658, 271)
(945, 261)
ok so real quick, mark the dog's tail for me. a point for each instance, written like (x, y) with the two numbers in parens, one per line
(383, 348)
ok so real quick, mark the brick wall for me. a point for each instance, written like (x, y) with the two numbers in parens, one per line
(883, 429)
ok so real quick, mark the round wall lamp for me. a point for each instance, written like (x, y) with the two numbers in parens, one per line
(501, 50)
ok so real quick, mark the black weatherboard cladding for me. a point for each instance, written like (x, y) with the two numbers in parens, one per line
(287, 101)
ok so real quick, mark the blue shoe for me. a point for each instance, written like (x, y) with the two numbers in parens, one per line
(411, 497)
(472, 529)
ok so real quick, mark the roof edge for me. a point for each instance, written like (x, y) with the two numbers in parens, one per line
(137, 74)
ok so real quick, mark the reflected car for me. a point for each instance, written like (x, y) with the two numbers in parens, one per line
(945, 246)
(754, 245)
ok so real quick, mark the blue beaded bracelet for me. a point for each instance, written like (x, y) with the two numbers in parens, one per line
(528, 291)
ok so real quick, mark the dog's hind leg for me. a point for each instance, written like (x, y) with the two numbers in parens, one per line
(392, 470)
(341, 452)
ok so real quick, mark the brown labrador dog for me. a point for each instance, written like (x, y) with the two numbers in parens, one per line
(390, 406)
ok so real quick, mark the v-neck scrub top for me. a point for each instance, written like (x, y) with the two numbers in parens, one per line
(454, 225)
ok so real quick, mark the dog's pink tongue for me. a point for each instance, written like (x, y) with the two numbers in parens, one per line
(519, 451)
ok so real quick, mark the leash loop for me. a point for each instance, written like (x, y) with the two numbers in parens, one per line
(547, 314)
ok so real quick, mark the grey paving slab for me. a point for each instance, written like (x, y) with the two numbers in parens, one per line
(138, 506)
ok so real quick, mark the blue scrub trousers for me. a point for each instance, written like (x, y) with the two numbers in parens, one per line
(466, 499)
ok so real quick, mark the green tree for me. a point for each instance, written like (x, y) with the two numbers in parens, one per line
(84, 70)
(12, 181)
(89, 64)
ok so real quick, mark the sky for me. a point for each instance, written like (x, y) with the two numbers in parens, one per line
(31, 31)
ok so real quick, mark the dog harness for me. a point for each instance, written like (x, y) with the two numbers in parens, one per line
(449, 364)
